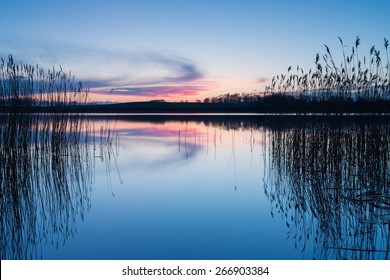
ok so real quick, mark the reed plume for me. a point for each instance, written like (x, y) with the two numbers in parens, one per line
(353, 79)
(27, 86)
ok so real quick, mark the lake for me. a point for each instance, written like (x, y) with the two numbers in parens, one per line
(194, 187)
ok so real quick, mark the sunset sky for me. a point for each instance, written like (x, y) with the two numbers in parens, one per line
(183, 50)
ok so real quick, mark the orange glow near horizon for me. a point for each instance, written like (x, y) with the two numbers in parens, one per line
(191, 91)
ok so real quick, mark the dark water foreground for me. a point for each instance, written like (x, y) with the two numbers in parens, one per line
(194, 187)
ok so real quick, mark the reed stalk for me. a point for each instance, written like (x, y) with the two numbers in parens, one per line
(354, 79)
(26, 86)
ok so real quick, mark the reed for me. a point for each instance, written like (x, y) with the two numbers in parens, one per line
(355, 78)
(331, 185)
(26, 86)
(46, 173)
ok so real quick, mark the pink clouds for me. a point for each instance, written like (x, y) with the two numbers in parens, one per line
(156, 76)
(262, 80)
(179, 91)
(161, 91)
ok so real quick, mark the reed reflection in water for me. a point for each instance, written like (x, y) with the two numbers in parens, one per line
(326, 183)
(45, 181)
(328, 179)
(331, 185)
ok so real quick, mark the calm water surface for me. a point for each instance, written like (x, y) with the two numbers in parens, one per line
(194, 188)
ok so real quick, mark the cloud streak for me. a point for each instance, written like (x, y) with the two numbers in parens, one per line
(262, 80)
(161, 91)
(183, 69)
(148, 73)
(137, 73)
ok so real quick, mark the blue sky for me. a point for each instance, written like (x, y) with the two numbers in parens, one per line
(184, 50)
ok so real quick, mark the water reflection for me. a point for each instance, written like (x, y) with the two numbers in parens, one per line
(328, 179)
(195, 179)
(45, 181)
(331, 185)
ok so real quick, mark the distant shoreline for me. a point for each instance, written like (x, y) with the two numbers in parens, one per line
(329, 107)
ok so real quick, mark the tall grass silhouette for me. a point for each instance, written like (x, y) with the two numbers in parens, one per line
(331, 185)
(356, 77)
(46, 176)
(46, 159)
(44, 181)
(26, 86)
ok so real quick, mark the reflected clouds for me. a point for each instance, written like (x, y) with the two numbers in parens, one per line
(326, 183)
(160, 146)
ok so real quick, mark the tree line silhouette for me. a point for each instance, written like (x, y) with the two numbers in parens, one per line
(357, 84)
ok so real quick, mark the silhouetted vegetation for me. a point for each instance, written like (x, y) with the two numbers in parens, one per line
(275, 104)
(330, 181)
(25, 87)
(328, 178)
(331, 184)
(354, 79)
(43, 182)
(45, 179)
(357, 85)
